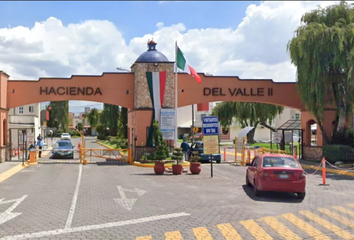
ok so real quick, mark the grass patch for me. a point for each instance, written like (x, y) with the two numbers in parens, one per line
(107, 143)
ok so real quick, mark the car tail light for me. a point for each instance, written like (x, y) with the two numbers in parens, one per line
(302, 175)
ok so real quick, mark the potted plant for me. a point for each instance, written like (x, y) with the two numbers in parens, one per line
(195, 166)
(161, 151)
(177, 155)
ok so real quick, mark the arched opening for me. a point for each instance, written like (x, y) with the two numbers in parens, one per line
(310, 132)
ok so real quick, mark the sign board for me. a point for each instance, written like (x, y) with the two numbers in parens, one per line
(277, 137)
(210, 125)
(195, 129)
(30, 138)
(167, 123)
(211, 144)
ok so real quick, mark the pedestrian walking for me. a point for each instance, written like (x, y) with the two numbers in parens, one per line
(40, 145)
(185, 148)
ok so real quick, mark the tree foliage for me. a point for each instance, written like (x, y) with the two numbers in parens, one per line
(109, 118)
(80, 126)
(93, 117)
(323, 52)
(59, 115)
(247, 114)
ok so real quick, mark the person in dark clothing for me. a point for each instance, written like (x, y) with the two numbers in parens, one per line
(185, 148)
(40, 145)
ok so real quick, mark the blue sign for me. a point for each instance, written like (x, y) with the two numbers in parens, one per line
(211, 125)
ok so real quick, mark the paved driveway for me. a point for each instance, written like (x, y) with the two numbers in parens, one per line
(72, 201)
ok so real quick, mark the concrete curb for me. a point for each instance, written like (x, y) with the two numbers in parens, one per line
(12, 171)
(330, 170)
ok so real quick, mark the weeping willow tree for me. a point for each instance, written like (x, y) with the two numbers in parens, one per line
(60, 114)
(93, 117)
(323, 52)
(247, 114)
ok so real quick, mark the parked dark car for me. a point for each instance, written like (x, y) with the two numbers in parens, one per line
(198, 146)
(63, 149)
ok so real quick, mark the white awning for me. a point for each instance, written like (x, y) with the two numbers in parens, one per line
(244, 132)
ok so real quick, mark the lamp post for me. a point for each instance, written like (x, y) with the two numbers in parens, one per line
(122, 69)
(192, 124)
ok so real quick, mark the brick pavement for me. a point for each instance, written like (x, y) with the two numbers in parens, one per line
(207, 203)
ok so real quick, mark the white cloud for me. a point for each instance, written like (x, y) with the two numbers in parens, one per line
(255, 49)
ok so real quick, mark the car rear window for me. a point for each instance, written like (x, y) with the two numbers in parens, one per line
(280, 162)
(63, 144)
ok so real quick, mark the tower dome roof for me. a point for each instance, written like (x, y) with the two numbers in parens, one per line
(151, 55)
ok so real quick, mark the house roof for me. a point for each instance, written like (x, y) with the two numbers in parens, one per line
(291, 125)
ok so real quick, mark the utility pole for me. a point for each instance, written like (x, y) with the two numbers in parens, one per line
(192, 124)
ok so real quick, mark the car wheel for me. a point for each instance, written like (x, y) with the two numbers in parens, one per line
(301, 195)
(256, 192)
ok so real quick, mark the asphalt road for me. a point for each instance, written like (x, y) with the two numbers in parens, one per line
(73, 201)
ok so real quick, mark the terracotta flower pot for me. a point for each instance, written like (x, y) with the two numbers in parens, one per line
(195, 168)
(159, 168)
(177, 169)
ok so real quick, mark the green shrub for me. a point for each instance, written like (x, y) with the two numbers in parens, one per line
(74, 133)
(177, 154)
(119, 142)
(58, 133)
(343, 137)
(334, 153)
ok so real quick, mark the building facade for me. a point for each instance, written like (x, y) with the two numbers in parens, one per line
(24, 119)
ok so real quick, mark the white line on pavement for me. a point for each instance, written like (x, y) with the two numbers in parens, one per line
(94, 227)
(73, 204)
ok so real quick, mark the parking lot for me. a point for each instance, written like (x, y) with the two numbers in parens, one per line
(73, 201)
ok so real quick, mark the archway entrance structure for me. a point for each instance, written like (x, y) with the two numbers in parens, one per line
(135, 91)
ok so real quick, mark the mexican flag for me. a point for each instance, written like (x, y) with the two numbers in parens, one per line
(183, 64)
(157, 83)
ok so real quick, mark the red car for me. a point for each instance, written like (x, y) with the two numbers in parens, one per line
(276, 173)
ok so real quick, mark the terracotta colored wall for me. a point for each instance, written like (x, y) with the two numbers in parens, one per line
(284, 94)
(116, 88)
(3, 109)
(203, 106)
(140, 120)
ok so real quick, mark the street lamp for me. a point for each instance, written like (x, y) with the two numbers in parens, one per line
(122, 69)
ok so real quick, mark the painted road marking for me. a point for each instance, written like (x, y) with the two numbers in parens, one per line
(176, 235)
(11, 172)
(256, 230)
(73, 204)
(144, 238)
(280, 228)
(202, 233)
(8, 214)
(333, 228)
(125, 202)
(304, 226)
(95, 227)
(229, 232)
(344, 210)
(339, 218)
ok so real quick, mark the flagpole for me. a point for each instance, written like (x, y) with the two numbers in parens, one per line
(176, 96)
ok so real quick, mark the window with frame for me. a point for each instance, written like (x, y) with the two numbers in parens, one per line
(20, 110)
(297, 116)
(31, 109)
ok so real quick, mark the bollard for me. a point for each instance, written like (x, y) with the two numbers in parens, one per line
(248, 156)
(33, 158)
(235, 150)
(324, 173)
(224, 153)
(243, 152)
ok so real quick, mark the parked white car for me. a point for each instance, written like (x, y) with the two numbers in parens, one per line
(66, 136)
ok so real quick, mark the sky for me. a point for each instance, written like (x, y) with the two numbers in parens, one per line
(234, 38)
